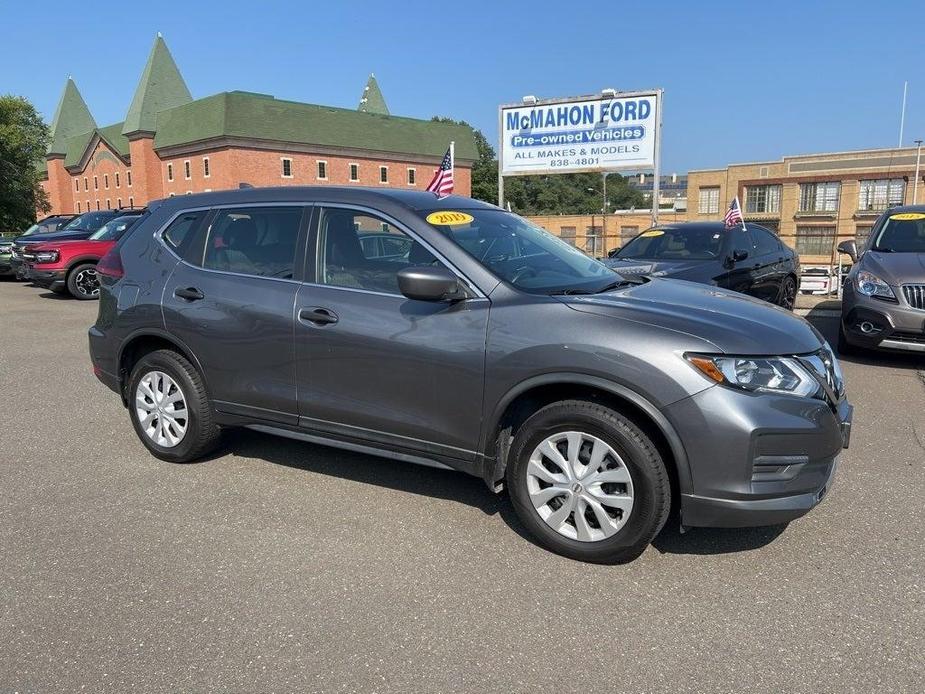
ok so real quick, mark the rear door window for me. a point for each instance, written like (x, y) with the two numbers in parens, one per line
(765, 242)
(259, 241)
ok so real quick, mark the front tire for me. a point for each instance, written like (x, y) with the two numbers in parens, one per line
(588, 483)
(83, 282)
(170, 409)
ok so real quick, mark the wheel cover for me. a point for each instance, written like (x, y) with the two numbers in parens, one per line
(161, 409)
(580, 486)
(87, 282)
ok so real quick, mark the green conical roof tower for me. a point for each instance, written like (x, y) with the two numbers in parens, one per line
(372, 100)
(161, 87)
(72, 117)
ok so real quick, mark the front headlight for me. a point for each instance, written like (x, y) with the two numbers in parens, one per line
(46, 257)
(871, 285)
(765, 374)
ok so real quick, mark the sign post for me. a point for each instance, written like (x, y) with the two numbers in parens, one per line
(606, 133)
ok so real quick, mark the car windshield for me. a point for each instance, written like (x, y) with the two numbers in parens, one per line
(521, 253)
(34, 229)
(903, 232)
(113, 229)
(88, 221)
(690, 243)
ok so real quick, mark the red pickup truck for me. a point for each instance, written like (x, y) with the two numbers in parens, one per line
(71, 265)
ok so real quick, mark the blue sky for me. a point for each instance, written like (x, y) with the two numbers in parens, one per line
(743, 81)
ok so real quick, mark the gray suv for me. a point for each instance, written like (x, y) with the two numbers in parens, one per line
(483, 345)
(883, 302)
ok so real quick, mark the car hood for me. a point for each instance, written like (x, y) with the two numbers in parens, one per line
(895, 268)
(77, 234)
(735, 323)
(682, 269)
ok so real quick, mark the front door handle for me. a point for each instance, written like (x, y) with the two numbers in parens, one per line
(188, 294)
(318, 316)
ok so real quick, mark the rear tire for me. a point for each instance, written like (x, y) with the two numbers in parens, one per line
(631, 481)
(788, 293)
(83, 283)
(170, 409)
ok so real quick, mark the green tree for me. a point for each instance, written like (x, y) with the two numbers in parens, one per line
(558, 194)
(23, 140)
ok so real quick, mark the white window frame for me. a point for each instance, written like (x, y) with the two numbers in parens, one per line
(187, 170)
(412, 173)
(96, 183)
(118, 181)
(119, 203)
(282, 167)
(206, 168)
(106, 181)
(169, 172)
(128, 179)
(77, 185)
(108, 204)
(386, 170)
(711, 192)
(318, 165)
(350, 172)
(86, 184)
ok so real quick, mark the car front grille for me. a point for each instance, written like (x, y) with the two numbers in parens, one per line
(17, 251)
(915, 295)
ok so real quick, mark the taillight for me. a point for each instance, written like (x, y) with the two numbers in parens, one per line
(110, 265)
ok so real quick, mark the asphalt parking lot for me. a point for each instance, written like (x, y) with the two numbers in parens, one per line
(282, 566)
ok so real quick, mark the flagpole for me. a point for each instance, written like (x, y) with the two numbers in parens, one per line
(453, 156)
(741, 213)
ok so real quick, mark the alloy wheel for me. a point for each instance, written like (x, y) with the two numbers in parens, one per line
(87, 282)
(788, 294)
(161, 409)
(580, 486)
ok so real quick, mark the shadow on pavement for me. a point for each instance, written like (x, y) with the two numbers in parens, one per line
(714, 540)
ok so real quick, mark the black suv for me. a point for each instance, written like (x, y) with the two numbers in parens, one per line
(474, 340)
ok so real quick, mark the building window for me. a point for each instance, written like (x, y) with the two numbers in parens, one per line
(206, 172)
(187, 172)
(592, 240)
(88, 205)
(287, 168)
(567, 234)
(106, 181)
(354, 172)
(170, 195)
(131, 202)
(86, 184)
(883, 193)
(628, 233)
(97, 204)
(709, 200)
(762, 199)
(119, 203)
(128, 178)
(322, 171)
(412, 177)
(383, 174)
(117, 179)
(108, 204)
(78, 207)
(170, 172)
(76, 185)
(819, 197)
(813, 240)
(861, 234)
(96, 183)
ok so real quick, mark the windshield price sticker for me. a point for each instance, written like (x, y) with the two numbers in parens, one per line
(652, 232)
(907, 216)
(448, 218)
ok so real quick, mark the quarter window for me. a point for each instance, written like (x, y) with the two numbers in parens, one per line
(878, 195)
(819, 197)
(359, 251)
(762, 199)
(254, 241)
(709, 200)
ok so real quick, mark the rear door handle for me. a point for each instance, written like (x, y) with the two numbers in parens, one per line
(188, 294)
(318, 316)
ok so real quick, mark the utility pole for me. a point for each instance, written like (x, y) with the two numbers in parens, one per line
(902, 114)
(918, 160)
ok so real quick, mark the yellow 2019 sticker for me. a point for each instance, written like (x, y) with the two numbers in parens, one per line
(449, 218)
(907, 216)
(652, 232)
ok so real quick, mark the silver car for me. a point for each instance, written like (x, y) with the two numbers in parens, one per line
(883, 304)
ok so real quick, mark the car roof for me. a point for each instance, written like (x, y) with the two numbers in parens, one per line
(417, 200)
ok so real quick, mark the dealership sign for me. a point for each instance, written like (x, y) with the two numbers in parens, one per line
(599, 133)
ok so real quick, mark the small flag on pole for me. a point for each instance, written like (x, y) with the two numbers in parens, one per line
(442, 183)
(734, 214)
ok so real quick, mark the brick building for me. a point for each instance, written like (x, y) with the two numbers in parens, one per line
(812, 201)
(172, 144)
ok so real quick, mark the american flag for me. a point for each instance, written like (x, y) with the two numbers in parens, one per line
(734, 214)
(442, 182)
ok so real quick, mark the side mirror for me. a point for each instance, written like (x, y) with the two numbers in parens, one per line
(849, 248)
(612, 253)
(739, 255)
(429, 283)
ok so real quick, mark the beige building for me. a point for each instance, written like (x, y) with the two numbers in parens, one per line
(812, 201)
(598, 234)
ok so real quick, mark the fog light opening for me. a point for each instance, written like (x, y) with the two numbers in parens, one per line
(868, 328)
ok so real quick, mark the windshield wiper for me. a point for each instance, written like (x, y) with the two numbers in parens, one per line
(574, 291)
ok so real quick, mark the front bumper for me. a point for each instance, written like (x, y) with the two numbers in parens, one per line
(875, 324)
(757, 459)
(51, 279)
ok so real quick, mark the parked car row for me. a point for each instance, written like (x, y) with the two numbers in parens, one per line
(64, 259)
